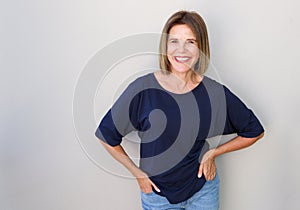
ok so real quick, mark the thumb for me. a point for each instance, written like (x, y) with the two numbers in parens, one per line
(155, 187)
(200, 171)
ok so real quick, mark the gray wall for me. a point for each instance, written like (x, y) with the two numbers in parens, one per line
(44, 47)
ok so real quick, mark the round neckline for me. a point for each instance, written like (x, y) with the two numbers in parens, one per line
(179, 94)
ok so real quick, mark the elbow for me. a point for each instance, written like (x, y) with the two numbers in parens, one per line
(255, 139)
(259, 137)
(105, 144)
(108, 146)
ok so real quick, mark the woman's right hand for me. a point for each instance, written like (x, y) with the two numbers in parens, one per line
(145, 183)
(120, 155)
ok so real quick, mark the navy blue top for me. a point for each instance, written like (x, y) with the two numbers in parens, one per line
(173, 129)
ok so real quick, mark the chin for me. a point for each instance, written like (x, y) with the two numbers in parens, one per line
(180, 70)
(180, 67)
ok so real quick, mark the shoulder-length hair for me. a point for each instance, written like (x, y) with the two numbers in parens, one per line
(195, 22)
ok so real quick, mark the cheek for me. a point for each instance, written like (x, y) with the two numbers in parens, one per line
(195, 53)
(194, 50)
(169, 58)
(170, 54)
(170, 49)
(197, 56)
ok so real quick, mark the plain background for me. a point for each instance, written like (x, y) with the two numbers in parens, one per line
(45, 45)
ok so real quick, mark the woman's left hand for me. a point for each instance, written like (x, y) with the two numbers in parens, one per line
(208, 166)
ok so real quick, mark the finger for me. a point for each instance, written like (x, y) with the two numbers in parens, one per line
(210, 176)
(146, 191)
(155, 187)
(214, 173)
(200, 171)
(205, 171)
(146, 187)
(210, 172)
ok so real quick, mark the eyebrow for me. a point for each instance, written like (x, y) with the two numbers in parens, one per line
(190, 39)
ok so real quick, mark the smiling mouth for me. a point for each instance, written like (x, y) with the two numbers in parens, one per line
(181, 59)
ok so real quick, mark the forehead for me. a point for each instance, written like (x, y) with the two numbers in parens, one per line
(181, 31)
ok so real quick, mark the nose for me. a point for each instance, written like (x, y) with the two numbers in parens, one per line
(181, 47)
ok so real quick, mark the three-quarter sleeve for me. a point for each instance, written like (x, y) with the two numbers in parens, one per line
(239, 118)
(121, 119)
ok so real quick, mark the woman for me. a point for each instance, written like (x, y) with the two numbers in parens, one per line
(174, 110)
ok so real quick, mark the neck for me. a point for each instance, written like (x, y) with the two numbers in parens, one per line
(185, 77)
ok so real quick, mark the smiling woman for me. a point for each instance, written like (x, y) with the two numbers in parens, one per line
(177, 170)
(195, 34)
(182, 49)
(182, 55)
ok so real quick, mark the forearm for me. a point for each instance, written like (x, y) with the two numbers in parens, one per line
(118, 153)
(121, 156)
(236, 143)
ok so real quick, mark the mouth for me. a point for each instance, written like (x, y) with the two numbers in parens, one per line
(181, 59)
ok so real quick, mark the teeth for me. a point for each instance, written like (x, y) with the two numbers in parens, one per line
(182, 59)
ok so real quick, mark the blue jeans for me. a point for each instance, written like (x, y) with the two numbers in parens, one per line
(205, 199)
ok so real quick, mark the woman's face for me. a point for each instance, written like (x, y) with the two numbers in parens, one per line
(182, 49)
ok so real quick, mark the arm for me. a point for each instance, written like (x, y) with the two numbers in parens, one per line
(236, 143)
(118, 153)
(240, 120)
(208, 167)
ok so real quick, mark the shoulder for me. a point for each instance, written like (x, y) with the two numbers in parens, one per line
(142, 82)
(214, 85)
(219, 92)
(143, 79)
(137, 85)
(211, 83)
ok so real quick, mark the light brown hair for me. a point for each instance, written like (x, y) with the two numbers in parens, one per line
(195, 22)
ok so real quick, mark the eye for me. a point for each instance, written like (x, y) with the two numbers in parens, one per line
(192, 42)
(173, 41)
